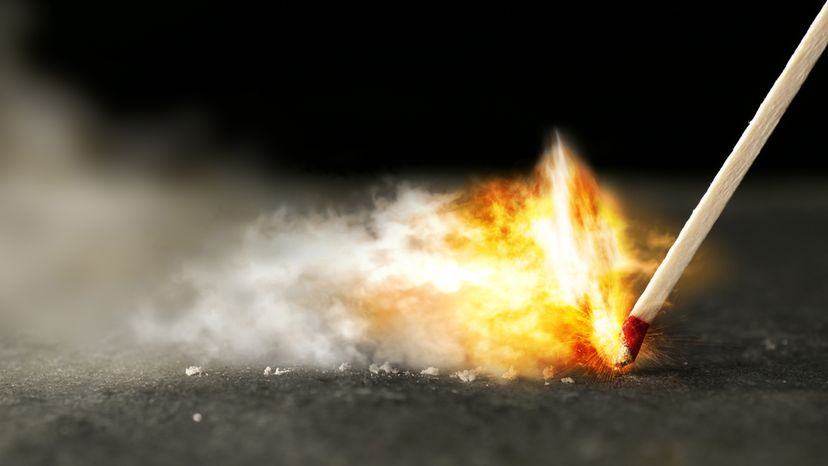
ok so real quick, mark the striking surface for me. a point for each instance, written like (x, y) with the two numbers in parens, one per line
(747, 382)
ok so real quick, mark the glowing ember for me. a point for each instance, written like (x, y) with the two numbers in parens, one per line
(530, 273)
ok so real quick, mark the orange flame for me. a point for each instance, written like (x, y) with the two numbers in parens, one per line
(553, 246)
(531, 275)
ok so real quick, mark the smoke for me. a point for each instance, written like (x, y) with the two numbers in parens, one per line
(207, 263)
(97, 246)
(101, 248)
(291, 283)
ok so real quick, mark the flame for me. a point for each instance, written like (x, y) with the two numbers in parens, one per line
(528, 275)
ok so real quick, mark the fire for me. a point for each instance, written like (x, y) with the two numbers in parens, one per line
(528, 275)
(551, 250)
(520, 277)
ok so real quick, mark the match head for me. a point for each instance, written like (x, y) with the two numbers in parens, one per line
(632, 336)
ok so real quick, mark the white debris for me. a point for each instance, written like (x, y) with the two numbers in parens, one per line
(770, 345)
(344, 367)
(388, 368)
(431, 370)
(385, 367)
(197, 417)
(276, 371)
(511, 374)
(466, 375)
(567, 380)
(268, 371)
(193, 370)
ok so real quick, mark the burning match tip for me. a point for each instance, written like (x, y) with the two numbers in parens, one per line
(624, 357)
(632, 336)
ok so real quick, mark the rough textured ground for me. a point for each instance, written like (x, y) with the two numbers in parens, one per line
(746, 381)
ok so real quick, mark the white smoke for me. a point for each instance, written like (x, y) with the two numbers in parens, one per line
(223, 265)
(291, 285)
(96, 246)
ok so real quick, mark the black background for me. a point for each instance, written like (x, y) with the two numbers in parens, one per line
(350, 89)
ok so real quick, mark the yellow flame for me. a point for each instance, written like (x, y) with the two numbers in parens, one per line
(532, 274)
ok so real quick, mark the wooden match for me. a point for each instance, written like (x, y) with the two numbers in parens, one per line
(721, 189)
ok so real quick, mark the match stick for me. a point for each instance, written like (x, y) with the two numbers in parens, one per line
(721, 189)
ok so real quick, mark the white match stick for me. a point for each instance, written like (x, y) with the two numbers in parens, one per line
(721, 189)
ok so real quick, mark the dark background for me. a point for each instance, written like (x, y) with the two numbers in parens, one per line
(386, 89)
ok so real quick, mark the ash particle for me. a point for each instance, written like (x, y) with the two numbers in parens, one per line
(466, 376)
(344, 367)
(385, 367)
(270, 371)
(388, 368)
(431, 370)
(193, 370)
(197, 417)
(567, 380)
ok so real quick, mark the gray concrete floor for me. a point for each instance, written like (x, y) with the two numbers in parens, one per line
(745, 381)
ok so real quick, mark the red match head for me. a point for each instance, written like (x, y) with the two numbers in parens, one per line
(632, 336)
